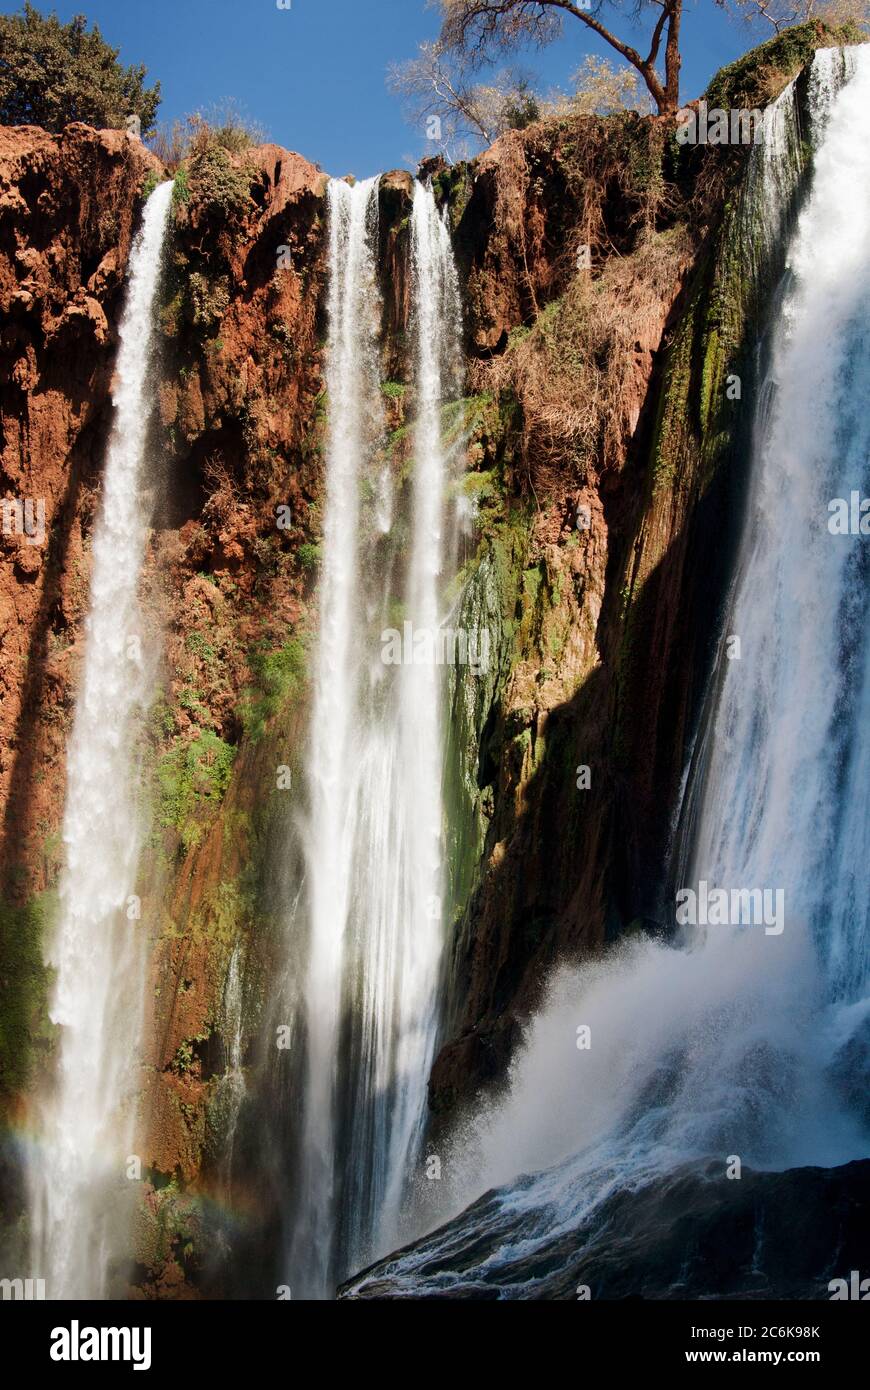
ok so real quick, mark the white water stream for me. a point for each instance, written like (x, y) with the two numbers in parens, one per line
(79, 1173)
(375, 836)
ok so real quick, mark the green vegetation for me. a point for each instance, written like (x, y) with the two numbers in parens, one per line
(485, 491)
(207, 300)
(161, 718)
(279, 675)
(309, 556)
(760, 75)
(181, 188)
(532, 579)
(149, 183)
(452, 186)
(24, 983)
(185, 1057)
(168, 1227)
(198, 644)
(218, 187)
(53, 73)
(395, 390)
(192, 774)
(222, 125)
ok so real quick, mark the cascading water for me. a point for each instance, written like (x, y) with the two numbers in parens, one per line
(787, 800)
(87, 1122)
(375, 834)
(352, 385)
(733, 1044)
(232, 1087)
(414, 986)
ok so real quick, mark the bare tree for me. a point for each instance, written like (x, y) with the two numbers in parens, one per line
(779, 14)
(783, 14)
(839, 13)
(472, 29)
(439, 96)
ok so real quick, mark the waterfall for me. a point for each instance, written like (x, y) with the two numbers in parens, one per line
(374, 845)
(734, 1040)
(232, 1087)
(87, 1125)
(435, 291)
(352, 385)
(787, 787)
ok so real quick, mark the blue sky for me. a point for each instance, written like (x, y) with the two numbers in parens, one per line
(313, 75)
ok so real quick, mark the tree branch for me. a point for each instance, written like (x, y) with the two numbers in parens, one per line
(657, 35)
(645, 66)
(472, 24)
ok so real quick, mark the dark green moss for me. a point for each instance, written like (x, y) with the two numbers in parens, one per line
(25, 1028)
(309, 555)
(452, 188)
(754, 78)
(180, 189)
(216, 185)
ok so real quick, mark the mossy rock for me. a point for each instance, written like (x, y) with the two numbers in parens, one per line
(217, 186)
(26, 1031)
(759, 75)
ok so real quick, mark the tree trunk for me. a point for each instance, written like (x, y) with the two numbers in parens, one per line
(667, 96)
(672, 63)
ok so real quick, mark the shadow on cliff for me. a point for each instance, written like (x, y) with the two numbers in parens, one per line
(573, 869)
(578, 868)
(19, 815)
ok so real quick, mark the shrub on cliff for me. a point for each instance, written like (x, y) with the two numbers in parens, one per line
(223, 125)
(191, 777)
(218, 186)
(53, 73)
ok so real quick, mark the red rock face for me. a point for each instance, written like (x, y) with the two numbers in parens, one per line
(68, 208)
